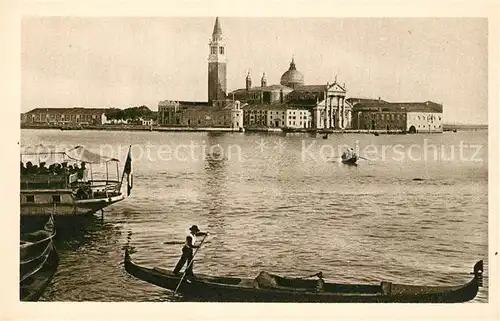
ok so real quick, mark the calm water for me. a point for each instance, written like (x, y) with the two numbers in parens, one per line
(280, 209)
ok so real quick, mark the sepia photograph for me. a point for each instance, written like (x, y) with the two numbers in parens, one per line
(243, 159)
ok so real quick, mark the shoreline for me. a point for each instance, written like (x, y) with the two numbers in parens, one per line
(251, 130)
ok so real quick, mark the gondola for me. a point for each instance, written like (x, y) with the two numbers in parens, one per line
(273, 288)
(38, 261)
(34, 243)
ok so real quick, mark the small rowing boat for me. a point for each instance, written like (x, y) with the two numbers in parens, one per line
(349, 158)
(269, 287)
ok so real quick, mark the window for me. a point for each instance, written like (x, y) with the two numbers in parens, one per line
(30, 199)
(221, 50)
(56, 198)
(214, 50)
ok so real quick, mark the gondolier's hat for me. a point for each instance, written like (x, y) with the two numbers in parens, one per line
(194, 229)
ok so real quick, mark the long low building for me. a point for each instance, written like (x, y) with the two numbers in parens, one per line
(65, 116)
(412, 117)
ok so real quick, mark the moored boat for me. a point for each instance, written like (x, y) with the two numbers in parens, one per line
(32, 244)
(64, 189)
(268, 287)
(38, 262)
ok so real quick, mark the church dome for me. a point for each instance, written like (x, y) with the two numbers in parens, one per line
(292, 77)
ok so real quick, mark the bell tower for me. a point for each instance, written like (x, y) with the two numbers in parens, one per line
(217, 67)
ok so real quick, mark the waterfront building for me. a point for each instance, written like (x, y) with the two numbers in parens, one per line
(277, 115)
(78, 116)
(412, 117)
(200, 114)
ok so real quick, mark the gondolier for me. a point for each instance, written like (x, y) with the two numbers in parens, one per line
(187, 250)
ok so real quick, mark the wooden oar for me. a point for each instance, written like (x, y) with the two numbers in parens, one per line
(187, 267)
(319, 275)
(365, 158)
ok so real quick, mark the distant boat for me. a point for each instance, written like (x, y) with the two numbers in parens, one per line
(349, 158)
(325, 136)
(376, 134)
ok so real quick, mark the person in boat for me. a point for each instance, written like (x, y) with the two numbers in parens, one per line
(29, 168)
(82, 172)
(352, 153)
(58, 169)
(42, 169)
(346, 154)
(23, 169)
(187, 251)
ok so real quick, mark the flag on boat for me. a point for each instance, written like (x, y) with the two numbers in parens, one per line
(128, 170)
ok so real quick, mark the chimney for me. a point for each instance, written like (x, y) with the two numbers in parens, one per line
(248, 81)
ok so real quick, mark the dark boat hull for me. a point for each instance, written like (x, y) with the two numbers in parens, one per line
(349, 161)
(38, 261)
(33, 287)
(221, 289)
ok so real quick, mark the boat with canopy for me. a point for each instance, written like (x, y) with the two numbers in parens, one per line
(69, 181)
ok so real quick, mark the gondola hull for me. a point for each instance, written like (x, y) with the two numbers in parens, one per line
(32, 288)
(38, 261)
(229, 289)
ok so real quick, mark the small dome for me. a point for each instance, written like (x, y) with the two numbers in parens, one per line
(292, 77)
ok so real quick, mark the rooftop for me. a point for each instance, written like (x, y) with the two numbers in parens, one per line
(427, 106)
(74, 110)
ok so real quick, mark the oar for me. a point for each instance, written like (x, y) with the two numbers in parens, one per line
(187, 267)
(319, 275)
(365, 158)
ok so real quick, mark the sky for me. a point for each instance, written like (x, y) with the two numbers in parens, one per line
(132, 61)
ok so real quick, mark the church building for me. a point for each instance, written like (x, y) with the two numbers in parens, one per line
(293, 104)
(289, 104)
